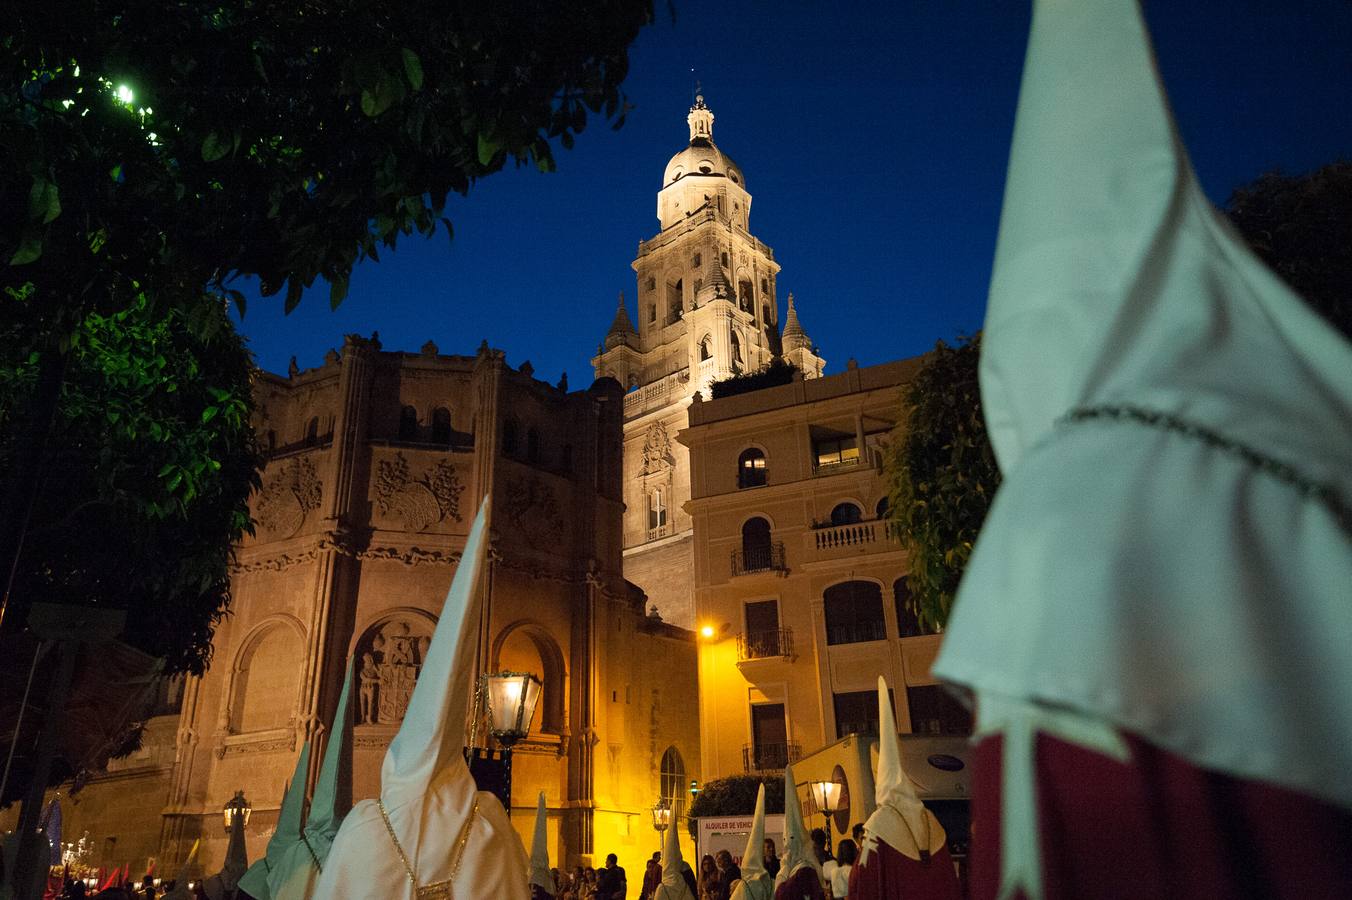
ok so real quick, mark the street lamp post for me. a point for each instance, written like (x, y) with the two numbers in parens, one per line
(826, 796)
(661, 818)
(236, 809)
(511, 698)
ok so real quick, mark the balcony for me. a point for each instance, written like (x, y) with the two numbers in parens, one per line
(856, 632)
(769, 558)
(859, 535)
(765, 644)
(768, 759)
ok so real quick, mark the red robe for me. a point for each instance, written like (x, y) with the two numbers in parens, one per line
(889, 874)
(801, 885)
(1161, 827)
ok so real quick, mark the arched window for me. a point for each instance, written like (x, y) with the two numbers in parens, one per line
(751, 468)
(509, 436)
(757, 548)
(673, 782)
(705, 348)
(736, 350)
(441, 425)
(533, 445)
(657, 509)
(408, 424)
(846, 513)
(744, 298)
(854, 613)
(312, 432)
(530, 648)
(882, 509)
(263, 696)
(908, 621)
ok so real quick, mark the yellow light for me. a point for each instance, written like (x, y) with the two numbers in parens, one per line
(707, 631)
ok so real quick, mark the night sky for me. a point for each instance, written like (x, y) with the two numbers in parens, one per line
(874, 140)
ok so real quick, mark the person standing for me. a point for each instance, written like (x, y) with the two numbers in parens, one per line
(770, 859)
(611, 883)
(728, 872)
(708, 878)
(837, 871)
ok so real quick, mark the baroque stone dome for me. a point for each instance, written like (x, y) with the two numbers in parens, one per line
(702, 157)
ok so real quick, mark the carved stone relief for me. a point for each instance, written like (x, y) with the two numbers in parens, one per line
(657, 449)
(530, 507)
(287, 496)
(418, 502)
(391, 655)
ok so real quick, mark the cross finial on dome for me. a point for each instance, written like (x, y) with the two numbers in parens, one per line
(701, 120)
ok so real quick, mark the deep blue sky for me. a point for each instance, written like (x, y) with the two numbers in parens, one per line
(873, 138)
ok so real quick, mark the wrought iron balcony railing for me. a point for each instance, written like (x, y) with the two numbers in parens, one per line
(765, 644)
(769, 758)
(767, 558)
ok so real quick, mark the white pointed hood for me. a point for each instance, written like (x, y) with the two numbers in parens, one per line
(1170, 551)
(180, 890)
(673, 886)
(756, 883)
(432, 826)
(539, 850)
(900, 820)
(797, 846)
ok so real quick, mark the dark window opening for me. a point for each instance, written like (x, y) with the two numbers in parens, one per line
(854, 613)
(856, 712)
(881, 510)
(509, 436)
(441, 425)
(765, 314)
(769, 737)
(846, 514)
(652, 313)
(675, 302)
(744, 298)
(699, 260)
(935, 711)
(704, 351)
(751, 468)
(756, 543)
(312, 432)
(908, 618)
(533, 445)
(736, 350)
(408, 424)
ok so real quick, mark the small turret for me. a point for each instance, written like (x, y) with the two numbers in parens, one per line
(794, 336)
(622, 330)
(701, 121)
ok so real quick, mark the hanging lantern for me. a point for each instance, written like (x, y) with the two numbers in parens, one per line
(237, 810)
(511, 697)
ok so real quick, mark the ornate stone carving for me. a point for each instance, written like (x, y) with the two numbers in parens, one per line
(530, 506)
(390, 658)
(288, 496)
(657, 450)
(422, 502)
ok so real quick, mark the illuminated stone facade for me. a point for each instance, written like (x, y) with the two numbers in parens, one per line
(800, 582)
(377, 463)
(706, 310)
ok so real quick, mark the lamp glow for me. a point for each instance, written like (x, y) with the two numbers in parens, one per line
(237, 810)
(512, 697)
(707, 631)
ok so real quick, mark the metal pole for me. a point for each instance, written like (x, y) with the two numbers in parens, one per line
(23, 707)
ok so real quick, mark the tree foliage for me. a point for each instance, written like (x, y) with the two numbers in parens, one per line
(161, 148)
(941, 475)
(151, 462)
(1301, 226)
(735, 795)
(776, 372)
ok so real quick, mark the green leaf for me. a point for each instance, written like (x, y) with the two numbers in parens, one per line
(488, 148)
(210, 413)
(30, 248)
(215, 147)
(44, 205)
(337, 291)
(412, 68)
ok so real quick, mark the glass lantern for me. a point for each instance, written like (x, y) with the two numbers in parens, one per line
(237, 810)
(511, 697)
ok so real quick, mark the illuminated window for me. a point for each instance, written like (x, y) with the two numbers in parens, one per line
(657, 509)
(751, 468)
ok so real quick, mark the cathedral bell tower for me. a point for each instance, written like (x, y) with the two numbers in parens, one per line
(706, 311)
